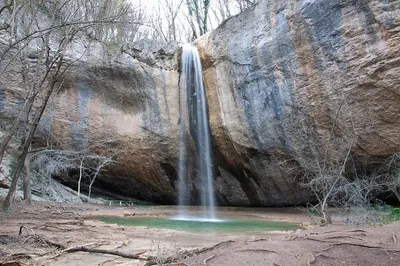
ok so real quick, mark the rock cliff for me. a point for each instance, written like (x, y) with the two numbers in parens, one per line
(288, 75)
(130, 98)
(280, 78)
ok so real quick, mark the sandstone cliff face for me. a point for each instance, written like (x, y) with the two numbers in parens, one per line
(130, 99)
(133, 99)
(334, 62)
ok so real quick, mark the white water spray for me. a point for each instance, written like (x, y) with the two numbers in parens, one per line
(193, 117)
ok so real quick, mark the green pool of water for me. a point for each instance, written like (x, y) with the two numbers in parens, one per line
(228, 225)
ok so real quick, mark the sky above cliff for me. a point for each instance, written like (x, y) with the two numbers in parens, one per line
(173, 15)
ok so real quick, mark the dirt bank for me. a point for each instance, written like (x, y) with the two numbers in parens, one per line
(52, 234)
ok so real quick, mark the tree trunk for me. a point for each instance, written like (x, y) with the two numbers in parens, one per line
(8, 136)
(90, 189)
(80, 178)
(91, 183)
(21, 159)
(27, 178)
(326, 218)
(396, 192)
(206, 7)
(11, 191)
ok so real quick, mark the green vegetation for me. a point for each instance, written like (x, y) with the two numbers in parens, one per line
(389, 213)
(394, 215)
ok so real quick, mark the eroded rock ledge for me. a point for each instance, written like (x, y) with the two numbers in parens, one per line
(278, 76)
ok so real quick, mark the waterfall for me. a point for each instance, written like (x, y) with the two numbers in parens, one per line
(194, 123)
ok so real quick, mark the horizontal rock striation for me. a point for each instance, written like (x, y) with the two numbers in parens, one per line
(291, 81)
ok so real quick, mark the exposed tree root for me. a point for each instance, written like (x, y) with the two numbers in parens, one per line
(14, 260)
(12, 263)
(52, 227)
(346, 231)
(365, 246)
(341, 243)
(185, 254)
(312, 260)
(335, 237)
(82, 248)
(213, 247)
(207, 259)
(211, 257)
(102, 263)
(86, 245)
(21, 255)
(104, 251)
(334, 244)
(357, 231)
(258, 240)
(389, 255)
(258, 250)
(151, 260)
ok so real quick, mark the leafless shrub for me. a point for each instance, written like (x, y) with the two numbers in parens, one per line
(39, 36)
(53, 162)
(356, 215)
(391, 175)
(90, 159)
(326, 161)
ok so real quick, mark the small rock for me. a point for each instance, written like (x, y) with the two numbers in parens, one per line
(126, 243)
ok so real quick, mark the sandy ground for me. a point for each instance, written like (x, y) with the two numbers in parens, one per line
(50, 230)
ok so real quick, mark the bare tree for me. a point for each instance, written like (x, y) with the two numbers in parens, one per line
(89, 158)
(27, 178)
(244, 4)
(164, 21)
(198, 16)
(186, 20)
(28, 139)
(40, 34)
(329, 169)
(102, 162)
(325, 160)
(388, 176)
(171, 10)
(224, 9)
(90, 161)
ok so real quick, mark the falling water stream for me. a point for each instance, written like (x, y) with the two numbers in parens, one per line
(195, 169)
(195, 184)
(193, 117)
